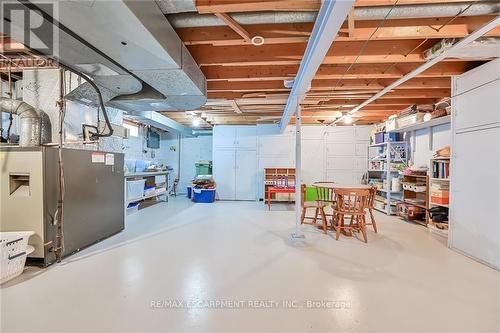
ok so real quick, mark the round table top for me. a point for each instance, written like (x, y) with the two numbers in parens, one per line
(342, 186)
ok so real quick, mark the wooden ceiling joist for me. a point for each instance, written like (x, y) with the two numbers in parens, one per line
(403, 51)
(245, 82)
(329, 72)
(328, 85)
(285, 33)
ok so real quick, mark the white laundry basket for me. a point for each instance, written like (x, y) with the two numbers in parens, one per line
(14, 249)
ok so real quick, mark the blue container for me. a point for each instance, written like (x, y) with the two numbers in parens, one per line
(204, 195)
(190, 190)
(379, 137)
(392, 137)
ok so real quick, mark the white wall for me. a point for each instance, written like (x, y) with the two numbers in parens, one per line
(192, 151)
(421, 152)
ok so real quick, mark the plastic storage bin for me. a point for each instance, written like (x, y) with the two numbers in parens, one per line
(379, 137)
(132, 208)
(204, 195)
(203, 168)
(14, 250)
(149, 190)
(391, 137)
(135, 189)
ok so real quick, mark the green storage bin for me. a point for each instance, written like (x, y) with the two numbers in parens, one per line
(203, 169)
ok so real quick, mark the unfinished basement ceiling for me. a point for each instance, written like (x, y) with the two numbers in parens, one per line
(245, 83)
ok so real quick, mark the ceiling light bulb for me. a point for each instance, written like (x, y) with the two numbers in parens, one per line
(196, 122)
(348, 119)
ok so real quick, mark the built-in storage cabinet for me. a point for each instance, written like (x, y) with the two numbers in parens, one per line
(244, 137)
(475, 183)
(235, 173)
(235, 162)
(328, 153)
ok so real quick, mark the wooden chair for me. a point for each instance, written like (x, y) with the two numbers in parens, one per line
(370, 206)
(350, 203)
(318, 209)
(327, 197)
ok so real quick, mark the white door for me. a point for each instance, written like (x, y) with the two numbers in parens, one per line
(224, 173)
(246, 137)
(246, 175)
(224, 137)
(475, 212)
(312, 161)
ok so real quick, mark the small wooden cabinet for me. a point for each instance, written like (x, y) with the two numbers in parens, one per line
(416, 193)
(272, 173)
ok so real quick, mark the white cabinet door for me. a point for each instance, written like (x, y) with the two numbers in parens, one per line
(224, 173)
(340, 134)
(224, 137)
(312, 161)
(340, 163)
(246, 137)
(246, 175)
(275, 145)
(362, 133)
(360, 164)
(475, 209)
(340, 149)
(340, 176)
(362, 149)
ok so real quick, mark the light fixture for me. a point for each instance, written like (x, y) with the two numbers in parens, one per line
(258, 40)
(348, 119)
(196, 121)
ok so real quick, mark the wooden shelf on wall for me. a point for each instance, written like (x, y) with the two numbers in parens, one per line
(269, 174)
(410, 196)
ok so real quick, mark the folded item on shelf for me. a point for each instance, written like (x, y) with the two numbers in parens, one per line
(443, 152)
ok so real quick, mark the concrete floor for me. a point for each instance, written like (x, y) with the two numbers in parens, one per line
(403, 280)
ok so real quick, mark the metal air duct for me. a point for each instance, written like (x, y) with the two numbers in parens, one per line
(35, 126)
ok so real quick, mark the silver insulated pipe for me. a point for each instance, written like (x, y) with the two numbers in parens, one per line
(30, 120)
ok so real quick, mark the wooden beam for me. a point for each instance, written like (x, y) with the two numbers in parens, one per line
(350, 23)
(325, 95)
(329, 72)
(328, 85)
(284, 33)
(235, 26)
(235, 106)
(404, 51)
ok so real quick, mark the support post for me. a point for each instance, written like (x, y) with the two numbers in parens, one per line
(298, 166)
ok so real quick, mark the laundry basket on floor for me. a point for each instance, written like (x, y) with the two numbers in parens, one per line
(14, 249)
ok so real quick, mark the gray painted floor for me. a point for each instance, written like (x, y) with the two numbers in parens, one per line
(230, 267)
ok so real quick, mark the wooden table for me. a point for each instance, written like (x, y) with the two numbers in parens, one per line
(274, 189)
(342, 186)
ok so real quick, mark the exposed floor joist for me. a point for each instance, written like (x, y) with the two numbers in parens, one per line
(252, 77)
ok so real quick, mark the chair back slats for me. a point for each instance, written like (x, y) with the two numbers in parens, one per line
(351, 201)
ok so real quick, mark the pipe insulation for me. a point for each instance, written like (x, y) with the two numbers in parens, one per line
(193, 20)
(35, 125)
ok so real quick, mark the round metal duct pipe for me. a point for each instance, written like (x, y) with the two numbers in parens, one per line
(35, 127)
(193, 20)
